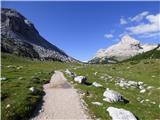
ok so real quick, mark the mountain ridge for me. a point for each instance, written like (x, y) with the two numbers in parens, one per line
(125, 49)
(19, 36)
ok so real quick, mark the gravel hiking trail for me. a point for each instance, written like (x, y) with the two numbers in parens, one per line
(60, 102)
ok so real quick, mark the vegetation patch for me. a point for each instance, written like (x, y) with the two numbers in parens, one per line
(18, 101)
(144, 105)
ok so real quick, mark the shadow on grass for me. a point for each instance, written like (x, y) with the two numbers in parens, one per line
(38, 107)
(87, 83)
(136, 117)
(125, 101)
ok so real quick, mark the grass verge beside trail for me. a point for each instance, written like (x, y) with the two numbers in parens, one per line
(17, 101)
(147, 71)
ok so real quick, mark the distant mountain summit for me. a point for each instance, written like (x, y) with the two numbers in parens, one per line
(129, 40)
(19, 36)
(125, 49)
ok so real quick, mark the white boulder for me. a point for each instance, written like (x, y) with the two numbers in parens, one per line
(80, 79)
(132, 83)
(20, 78)
(147, 100)
(19, 67)
(71, 74)
(120, 114)
(67, 71)
(112, 96)
(141, 101)
(8, 106)
(96, 84)
(97, 103)
(141, 87)
(95, 73)
(3, 78)
(33, 89)
(140, 83)
(153, 102)
(9, 66)
(149, 87)
(129, 84)
(143, 91)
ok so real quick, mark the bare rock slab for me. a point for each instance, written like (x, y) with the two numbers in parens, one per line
(80, 79)
(96, 84)
(120, 114)
(112, 96)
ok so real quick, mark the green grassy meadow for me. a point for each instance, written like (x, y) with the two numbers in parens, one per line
(147, 71)
(23, 73)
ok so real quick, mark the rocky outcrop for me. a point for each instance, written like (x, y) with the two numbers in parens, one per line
(19, 36)
(113, 96)
(80, 79)
(126, 48)
(120, 114)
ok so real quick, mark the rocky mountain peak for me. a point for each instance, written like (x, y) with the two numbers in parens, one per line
(126, 39)
(126, 48)
(19, 36)
(10, 12)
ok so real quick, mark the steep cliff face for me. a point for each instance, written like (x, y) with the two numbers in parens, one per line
(19, 36)
(126, 48)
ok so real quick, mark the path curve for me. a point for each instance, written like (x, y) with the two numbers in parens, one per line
(61, 101)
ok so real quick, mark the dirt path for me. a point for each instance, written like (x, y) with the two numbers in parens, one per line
(61, 101)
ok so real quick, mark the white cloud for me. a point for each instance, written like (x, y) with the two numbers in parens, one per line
(108, 36)
(152, 26)
(151, 35)
(123, 21)
(139, 17)
(136, 18)
(153, 18)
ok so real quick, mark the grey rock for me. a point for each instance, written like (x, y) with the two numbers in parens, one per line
(112, 96)
(19, 36)
(96, 84)
(143, 91)
(33, 90)
(20, 78)
(153, 102)
(80, 79)
(97, 103)
(8, 106)
(3, 78)
(120, 114)
(71, 74)
(141, 87)
(149, 87)
(140, 83)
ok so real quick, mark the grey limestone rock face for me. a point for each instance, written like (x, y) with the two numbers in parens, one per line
(19, 36)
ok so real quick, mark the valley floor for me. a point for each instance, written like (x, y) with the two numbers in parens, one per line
(61, 101)
(20, 74)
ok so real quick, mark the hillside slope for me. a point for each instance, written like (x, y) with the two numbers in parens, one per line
(152, 54)
(125, 49)
(19, 36)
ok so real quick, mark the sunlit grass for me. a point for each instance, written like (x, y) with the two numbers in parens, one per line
(147, 71)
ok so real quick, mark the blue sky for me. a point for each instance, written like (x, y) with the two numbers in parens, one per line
(81, 28)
